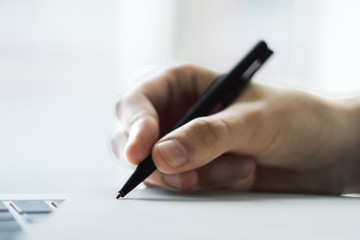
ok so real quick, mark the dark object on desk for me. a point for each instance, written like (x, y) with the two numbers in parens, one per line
(224, 90)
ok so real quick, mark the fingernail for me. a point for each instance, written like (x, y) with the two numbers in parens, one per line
(173, 180)
(173, 152)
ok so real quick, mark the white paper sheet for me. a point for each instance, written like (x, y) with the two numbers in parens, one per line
(156, 214)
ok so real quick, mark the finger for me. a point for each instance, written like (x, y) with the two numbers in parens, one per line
(158, 89)
(244, 184)
(118, 142)
(204, 139)
(138, 110)
(143, 134)
(172, 83)
(193, 145)
(186, 181)
(273, 179)
(227, 171)
(140, 119)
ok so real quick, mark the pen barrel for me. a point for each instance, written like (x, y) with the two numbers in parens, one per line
(228, 86)
(145, 168)
(222, 91)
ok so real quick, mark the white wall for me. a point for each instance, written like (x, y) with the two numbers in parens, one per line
(316, 43)
(62, 64)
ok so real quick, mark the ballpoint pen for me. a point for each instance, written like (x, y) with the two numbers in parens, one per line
(223, 90)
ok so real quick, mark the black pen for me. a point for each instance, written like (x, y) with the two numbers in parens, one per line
(222, 91)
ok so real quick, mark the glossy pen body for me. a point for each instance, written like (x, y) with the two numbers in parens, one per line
(222, 91)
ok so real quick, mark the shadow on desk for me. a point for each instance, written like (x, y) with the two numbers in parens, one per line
(224, 195)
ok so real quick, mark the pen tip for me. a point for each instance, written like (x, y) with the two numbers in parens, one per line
(121, 194)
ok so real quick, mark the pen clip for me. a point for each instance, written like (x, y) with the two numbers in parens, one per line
(252, 69)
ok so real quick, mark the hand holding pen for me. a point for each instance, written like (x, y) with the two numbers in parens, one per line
(268, 138)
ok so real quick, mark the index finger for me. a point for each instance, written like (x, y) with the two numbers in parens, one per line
(138, 110)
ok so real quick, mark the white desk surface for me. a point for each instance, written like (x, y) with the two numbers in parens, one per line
(155, 214)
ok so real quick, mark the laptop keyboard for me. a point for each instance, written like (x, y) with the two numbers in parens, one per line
(18, 215)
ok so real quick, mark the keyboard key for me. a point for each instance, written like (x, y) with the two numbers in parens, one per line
(3, 207)
(6, 216)
(9, 226)
(56, 203)
(30, 206)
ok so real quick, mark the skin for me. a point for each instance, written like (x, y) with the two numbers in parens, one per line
(268, 139)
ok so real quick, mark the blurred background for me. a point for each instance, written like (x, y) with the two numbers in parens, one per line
(64, 63)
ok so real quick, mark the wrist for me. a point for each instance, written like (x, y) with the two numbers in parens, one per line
(348, 111)
(354, 110)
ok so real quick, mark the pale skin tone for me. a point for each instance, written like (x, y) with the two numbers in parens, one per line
(269, 139)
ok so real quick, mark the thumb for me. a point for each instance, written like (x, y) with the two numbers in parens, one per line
(192, 145)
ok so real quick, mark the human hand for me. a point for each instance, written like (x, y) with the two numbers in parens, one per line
(268, 139)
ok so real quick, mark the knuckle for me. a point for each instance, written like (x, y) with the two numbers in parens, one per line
(126, 114)
(120, 105)
(214, 131)
(143, 120)
(253, 117)
(243, 185)
(188, 180)
(181, 70)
